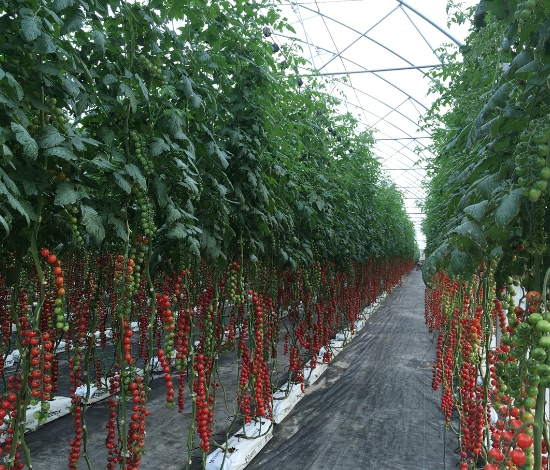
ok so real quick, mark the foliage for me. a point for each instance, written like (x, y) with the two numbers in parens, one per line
(487, 222)
(162, 139)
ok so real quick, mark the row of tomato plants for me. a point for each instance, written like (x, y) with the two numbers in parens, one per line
(492, 368)
(186, 319)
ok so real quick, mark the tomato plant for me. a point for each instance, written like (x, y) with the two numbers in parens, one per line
(167, 196)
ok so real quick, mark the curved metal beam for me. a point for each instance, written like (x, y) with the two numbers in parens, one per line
(360, 36)
(435, 25)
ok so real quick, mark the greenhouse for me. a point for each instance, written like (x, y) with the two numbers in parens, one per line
(306, 234)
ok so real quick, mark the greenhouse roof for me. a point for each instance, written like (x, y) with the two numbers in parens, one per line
(378, 54)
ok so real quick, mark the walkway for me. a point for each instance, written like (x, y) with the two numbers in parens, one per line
(374, 407)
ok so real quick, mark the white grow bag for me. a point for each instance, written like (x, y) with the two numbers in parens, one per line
(283, 406)
(59, 406)
(242, 450)
(311, 375)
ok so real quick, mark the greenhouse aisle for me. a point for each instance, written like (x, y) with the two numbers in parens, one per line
(374, 407)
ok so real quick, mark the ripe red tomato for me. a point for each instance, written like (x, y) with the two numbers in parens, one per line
(518, 457)
(496, 454)
(533, 297)
(524, 440)
(44, 252)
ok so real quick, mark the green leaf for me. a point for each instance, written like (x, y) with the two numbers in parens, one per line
(92, 222)
(31, 27)
(508, 208)
(73, 23)
(472, 231)
(122, 183)
(119, 225)
(61, 152)
(59, 5)
(9, 182)
(30, 147)
(5, 225)
(66, 194)
(106, 135)
(50, 137)
(521, 60)
(486, 185)
(142, 86)
(100, 161)
(527, 69)
(44, 44)
(178, 231)
(71, 85)
(477, 211)
(157, 147)
(161, 192)
(136, 175)
(109, 79)
(15, 85)
(99, 39)
(460, 263)
(223, 158)
(129, 93)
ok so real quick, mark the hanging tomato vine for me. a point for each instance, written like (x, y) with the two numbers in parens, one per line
(487, 236)
(170, 191)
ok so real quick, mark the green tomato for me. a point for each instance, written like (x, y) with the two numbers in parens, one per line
(529, 402)
(541, 184)
(512, 368)
(543, 325)
(538, 354)
(545, 172)
(534, 318)
(534, 194)
(544, 342)
(519, 340)
(523, 329)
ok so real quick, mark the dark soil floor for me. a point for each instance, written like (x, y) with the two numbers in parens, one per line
(374, 407)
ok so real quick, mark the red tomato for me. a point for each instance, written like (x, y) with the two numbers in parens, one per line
(518, 457)
(496, 454)
(524, 440)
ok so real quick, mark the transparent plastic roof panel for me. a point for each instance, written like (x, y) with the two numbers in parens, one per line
(379, 52)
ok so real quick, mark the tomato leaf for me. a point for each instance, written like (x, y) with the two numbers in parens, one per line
(99, 39)
(177, 231)
(66, 194)
(136, 175)
(477, 211)
(460, 262)
(92, 222)
(142, 86)
(61, 152)
(472, 231)
(508, 208)
(157, 147)
(30, 147)
(4, 224)
(161, 192)
(122, 183)
(30, 26)
(129, 93)
(119, 225)
(59, 5)
(50, 137)
(44, 44)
